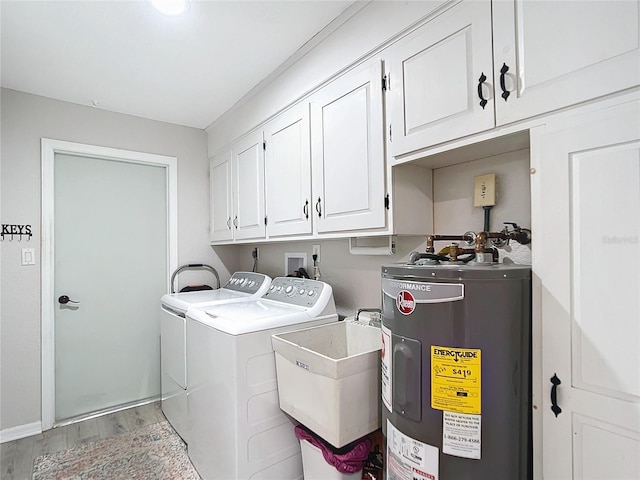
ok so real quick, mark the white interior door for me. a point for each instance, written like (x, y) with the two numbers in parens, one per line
(113, 253)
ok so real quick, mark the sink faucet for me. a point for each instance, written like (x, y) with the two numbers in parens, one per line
(374, 320)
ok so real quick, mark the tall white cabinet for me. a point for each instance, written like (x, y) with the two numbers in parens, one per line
(586, 262)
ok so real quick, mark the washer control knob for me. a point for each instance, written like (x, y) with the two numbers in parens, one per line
(302, 291)
(289, 289)
(312, 293)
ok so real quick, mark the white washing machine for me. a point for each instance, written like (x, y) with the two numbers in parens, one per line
(236, 428)
(242, 286)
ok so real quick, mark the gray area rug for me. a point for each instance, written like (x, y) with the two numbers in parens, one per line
(150, 453)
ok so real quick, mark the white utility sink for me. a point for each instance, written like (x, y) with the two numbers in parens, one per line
(329, 379)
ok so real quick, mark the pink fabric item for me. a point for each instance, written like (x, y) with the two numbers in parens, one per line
(350, 462)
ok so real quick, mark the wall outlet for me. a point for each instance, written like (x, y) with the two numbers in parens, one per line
(484, 193)
(316, 251)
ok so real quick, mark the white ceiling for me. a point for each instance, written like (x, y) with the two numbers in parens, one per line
(128, 58)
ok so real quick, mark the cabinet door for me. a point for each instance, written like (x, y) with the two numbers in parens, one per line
(347, 135)
(435, 79)
(586, 219)
(248, 183)
(220, 192)
(560, 53)
(288, 173)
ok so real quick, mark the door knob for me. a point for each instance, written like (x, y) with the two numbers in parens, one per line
(63, 300)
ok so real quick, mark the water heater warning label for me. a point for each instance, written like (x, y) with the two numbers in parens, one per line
(461, 435)
(455, 379)
(408, 458)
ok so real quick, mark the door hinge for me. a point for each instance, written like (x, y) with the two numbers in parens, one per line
(386, 201)
(389, 132)
(384, 83)
(264, 145)
(265, 220)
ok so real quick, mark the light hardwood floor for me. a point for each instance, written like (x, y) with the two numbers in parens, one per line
(16, 457)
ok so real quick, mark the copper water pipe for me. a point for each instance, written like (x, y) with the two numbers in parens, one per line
(455, 251)
(482, 237)
(433, 238)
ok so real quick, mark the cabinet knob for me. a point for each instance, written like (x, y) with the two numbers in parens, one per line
(481, 80)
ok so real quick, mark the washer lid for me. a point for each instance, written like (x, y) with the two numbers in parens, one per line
(181, 302)
(247, 317)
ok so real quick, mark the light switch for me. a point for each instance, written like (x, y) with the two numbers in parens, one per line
(28, 256)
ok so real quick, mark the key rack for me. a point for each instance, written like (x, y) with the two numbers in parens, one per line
(11, 231)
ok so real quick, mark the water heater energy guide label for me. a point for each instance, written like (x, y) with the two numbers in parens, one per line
(455, 379)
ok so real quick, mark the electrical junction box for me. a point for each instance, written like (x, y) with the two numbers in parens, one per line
(484, 192)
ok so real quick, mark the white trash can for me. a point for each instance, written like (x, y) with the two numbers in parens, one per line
(315, 467)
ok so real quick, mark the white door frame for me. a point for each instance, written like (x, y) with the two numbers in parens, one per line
(49, 149)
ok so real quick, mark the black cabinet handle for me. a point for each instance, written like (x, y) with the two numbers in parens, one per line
(235, 221)
(319, 207)
(305, 209)
(481, 80)
(554, 395)
(229, 223)
(505, 92)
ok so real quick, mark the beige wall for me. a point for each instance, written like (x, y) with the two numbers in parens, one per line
(25, 120)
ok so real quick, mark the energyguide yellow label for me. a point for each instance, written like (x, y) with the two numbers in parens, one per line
(455, 379)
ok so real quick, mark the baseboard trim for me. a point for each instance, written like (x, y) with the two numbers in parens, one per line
(21, 431)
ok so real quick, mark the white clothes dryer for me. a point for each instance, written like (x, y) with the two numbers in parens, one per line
(242, 286)
(236, 428)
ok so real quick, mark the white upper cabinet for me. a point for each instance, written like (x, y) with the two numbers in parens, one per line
(288, 173)
(221, 201)
(524, 57)
(439, 75)
(348, 164)
(248, 187)
(559, 53)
